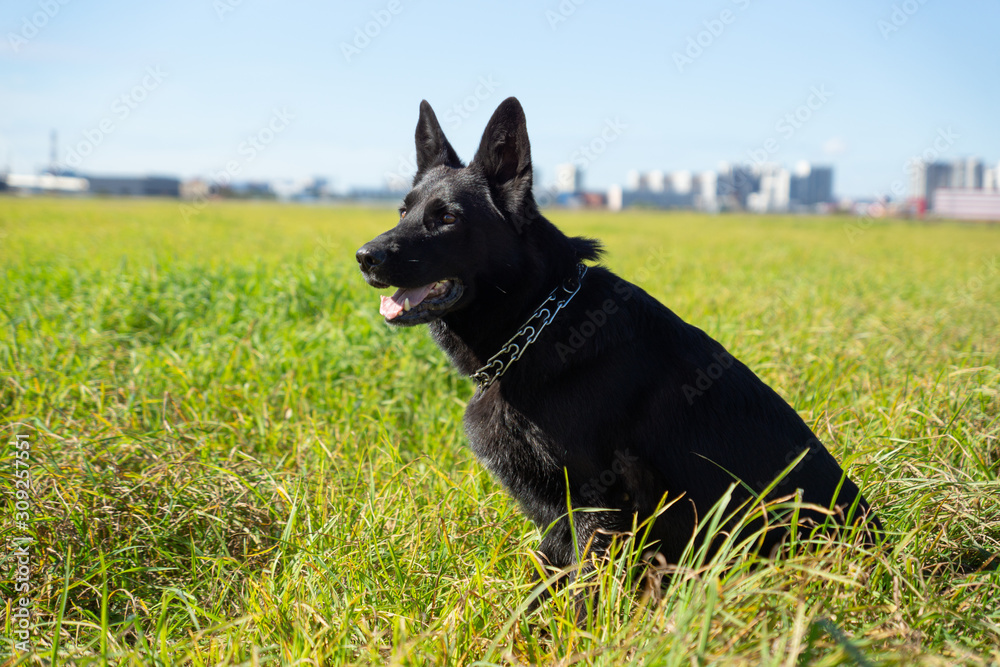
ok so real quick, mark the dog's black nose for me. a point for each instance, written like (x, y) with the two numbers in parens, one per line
(369, 258)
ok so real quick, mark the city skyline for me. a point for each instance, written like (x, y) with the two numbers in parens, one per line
(775, 187)
(189, 88)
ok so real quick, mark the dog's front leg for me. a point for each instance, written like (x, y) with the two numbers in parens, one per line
(559, 552)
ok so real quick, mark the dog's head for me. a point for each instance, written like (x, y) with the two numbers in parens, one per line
(461, 231)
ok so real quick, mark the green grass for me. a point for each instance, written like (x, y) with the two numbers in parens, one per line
(235, 461)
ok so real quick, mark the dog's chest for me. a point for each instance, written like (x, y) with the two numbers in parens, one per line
(523, 457)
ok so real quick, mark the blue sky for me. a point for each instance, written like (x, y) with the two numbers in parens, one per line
(182, 87)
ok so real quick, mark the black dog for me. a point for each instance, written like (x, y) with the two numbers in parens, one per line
(586, 384)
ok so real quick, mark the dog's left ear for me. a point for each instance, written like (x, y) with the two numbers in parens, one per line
(432, 146)
(504, 156)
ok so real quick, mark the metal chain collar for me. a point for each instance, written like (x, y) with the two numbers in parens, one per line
(526, 335)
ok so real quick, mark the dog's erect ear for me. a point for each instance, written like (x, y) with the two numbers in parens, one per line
(504, 156)
(432, 147)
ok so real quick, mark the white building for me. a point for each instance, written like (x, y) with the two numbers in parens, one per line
(706, 192)
(634, 180)
(616, 199)
(46, 183)
(681, 182)
(967, 173)
(569, 178)
(656, 181)
(775, 187)
(991, 178)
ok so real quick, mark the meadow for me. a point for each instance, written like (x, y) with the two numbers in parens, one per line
(235, 461)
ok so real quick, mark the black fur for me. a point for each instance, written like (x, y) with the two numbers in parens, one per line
(618, 394)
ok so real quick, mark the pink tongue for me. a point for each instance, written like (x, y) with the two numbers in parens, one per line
(392, 306)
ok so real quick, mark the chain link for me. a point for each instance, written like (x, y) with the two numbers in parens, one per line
(515, 347)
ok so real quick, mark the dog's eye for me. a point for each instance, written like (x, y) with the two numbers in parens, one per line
(402, 213)
(448, 218)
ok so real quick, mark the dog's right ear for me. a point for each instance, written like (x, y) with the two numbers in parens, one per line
(504, 156)
(432, 147)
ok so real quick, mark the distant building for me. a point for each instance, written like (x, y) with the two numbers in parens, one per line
(616, 198)
(798, 186)
(318, 187)
(735, 184)
(772, 194)
(581, 200)
(680, 182)
(957, 180)
(967, 204)
(928, 177)
(810, 185)
(963, 189)
(967, 173)
(245, 190)
(619, 198)
(115, 186)
(765, 187)
(376, 194)
(135, 186)
(39, 183)
(195, 188)
(706, 186)
(569, 178)
(961, 174)
(655, 181)
(991, 182)
(820, 187)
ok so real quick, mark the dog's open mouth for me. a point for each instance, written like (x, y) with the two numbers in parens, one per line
(415, 305)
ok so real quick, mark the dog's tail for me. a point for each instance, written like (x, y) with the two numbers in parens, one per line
(970, 560)
(974, 559)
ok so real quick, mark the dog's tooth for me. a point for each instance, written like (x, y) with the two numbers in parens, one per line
(406, 304)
